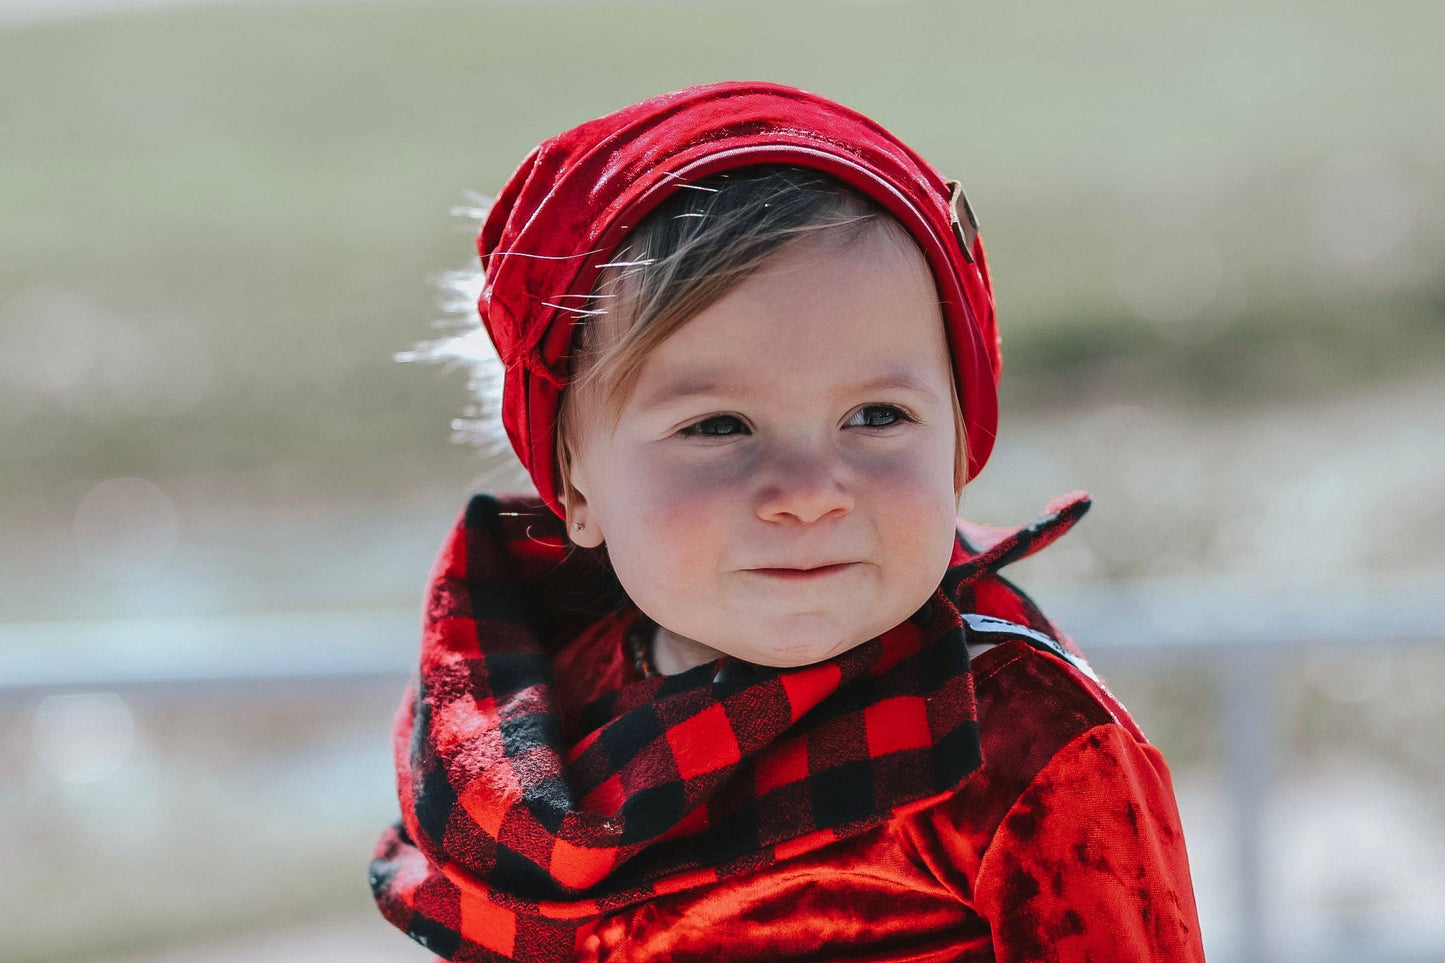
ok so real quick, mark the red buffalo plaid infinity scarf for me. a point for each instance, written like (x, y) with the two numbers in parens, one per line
(511, 840)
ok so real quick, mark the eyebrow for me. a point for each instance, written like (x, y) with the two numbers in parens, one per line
(707, 384)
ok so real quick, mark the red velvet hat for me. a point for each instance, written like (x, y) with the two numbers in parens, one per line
(574, 197)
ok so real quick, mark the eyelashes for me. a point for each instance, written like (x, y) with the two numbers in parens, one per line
(695, 430)
(900, 416)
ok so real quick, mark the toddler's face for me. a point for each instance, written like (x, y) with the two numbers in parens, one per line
(804, 420)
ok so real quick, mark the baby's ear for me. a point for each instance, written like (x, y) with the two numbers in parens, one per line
(583, 528)
(584, 533)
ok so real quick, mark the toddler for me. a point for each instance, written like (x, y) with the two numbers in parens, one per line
(737, 683)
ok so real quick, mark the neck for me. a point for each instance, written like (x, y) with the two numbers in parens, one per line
(672, 653)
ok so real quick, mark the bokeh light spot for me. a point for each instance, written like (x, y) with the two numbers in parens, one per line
(125, 529)
(82, 737)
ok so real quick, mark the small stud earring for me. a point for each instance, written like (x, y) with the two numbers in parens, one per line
(577, 525)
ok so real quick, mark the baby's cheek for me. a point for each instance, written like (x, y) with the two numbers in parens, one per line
(689, 532)
(917, 524)
(675, 539)
(923, 465)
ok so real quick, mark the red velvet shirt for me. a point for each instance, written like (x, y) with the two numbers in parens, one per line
(1065, 845)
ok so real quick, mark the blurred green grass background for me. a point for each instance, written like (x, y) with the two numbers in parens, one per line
(274, 181)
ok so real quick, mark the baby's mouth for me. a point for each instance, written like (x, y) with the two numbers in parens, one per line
(803, 574)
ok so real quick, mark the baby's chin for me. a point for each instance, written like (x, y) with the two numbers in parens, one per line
(789, 646)
(773, 633)
(796, 660)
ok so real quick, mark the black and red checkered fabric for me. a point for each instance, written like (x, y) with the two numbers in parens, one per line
(511, 838)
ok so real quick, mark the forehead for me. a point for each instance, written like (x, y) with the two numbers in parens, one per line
(818, 317)
(706, 382)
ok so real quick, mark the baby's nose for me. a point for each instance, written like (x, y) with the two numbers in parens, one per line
(804, 485)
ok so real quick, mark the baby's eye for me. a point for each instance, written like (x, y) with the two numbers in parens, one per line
(869, 413)
(698, 430)
(725, 426)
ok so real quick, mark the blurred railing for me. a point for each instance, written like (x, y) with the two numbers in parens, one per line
(1243, 635)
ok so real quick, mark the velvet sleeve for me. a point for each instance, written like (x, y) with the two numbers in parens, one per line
(1089, 863)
